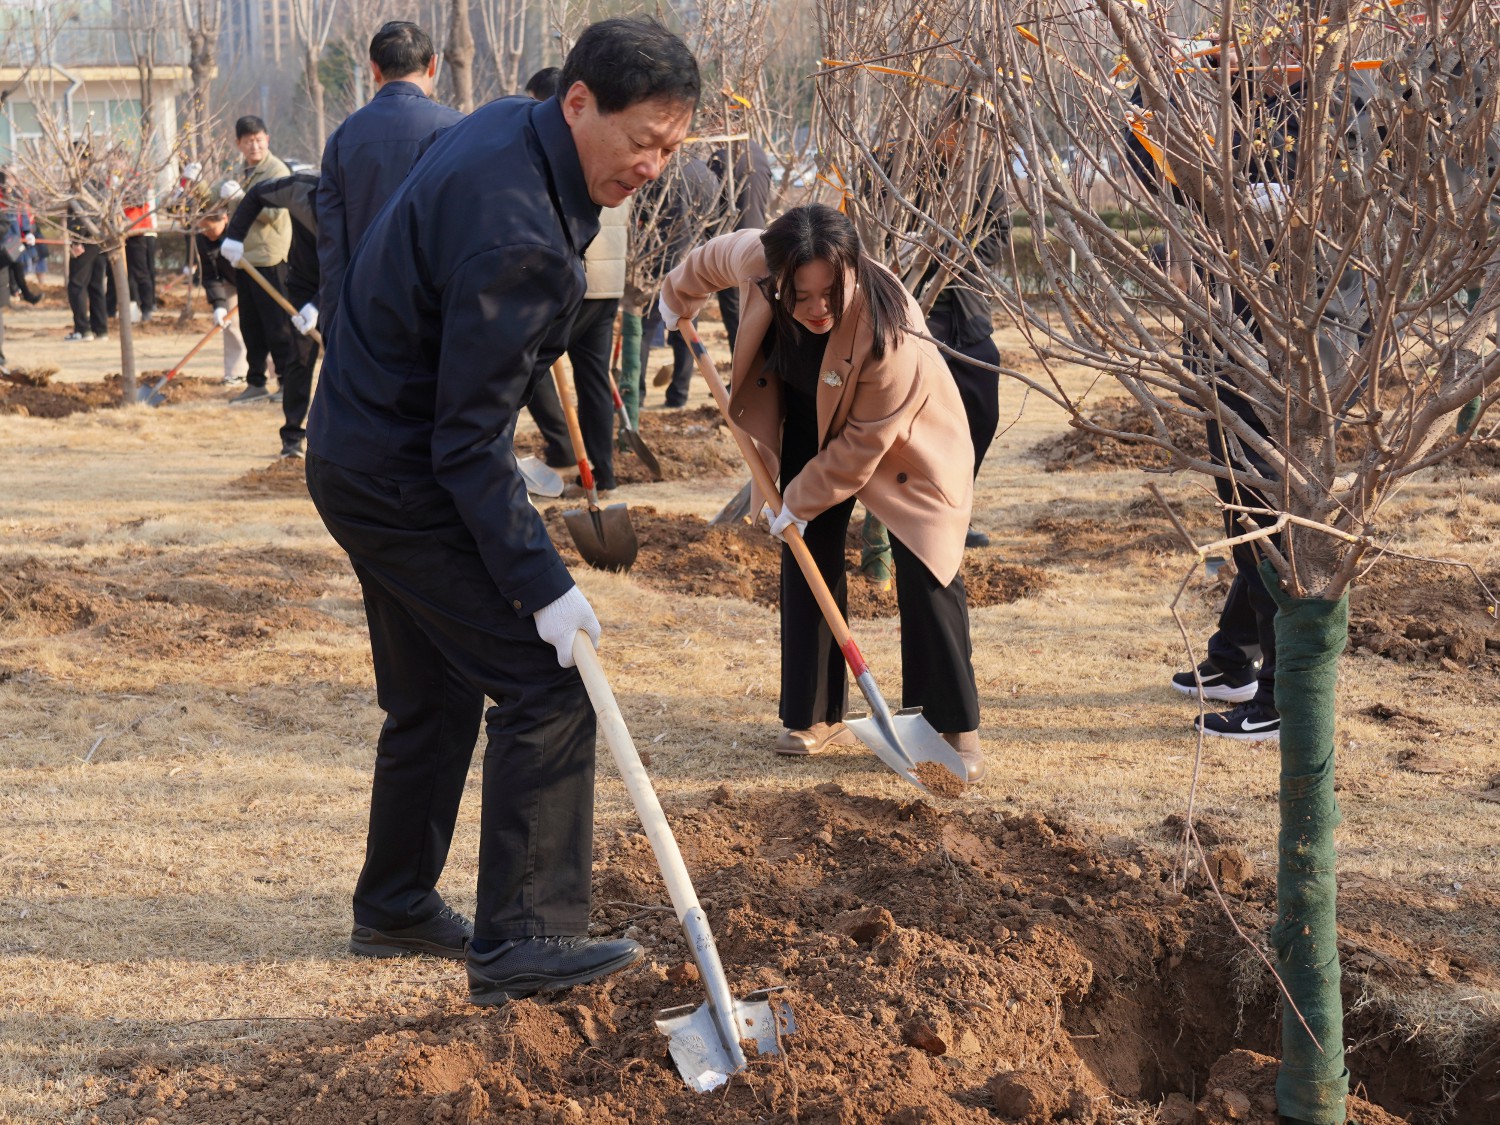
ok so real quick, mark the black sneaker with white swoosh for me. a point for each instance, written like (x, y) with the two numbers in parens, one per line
(1232, 685)
(1249, 722)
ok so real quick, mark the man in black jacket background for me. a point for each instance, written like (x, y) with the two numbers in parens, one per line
(460, 294)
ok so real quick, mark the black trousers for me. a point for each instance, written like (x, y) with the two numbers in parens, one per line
(1248, 618)
(443, 637)
(140, 263)
(979, 389)
(729, 309)
(267, 331)
(86, 291)
(547, 412)
(682, 357)
(17, 283)
(937, 670)
(589, 346)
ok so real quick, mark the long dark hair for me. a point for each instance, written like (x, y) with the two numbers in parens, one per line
(814, 233)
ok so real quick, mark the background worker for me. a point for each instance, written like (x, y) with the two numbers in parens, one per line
(293, 194)
(264, 324)
(833, 387)
(85, 268)
(744, 171)
(217, 277)
(458, 297)
(370, 153)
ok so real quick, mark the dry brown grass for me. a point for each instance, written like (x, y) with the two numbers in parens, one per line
(198, 868)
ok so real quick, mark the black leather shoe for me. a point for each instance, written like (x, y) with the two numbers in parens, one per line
(976, 539)
(527, 966)
(443, 935)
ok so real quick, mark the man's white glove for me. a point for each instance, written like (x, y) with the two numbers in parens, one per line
(221, 316)
(232, 251)
(191, 172)
(30, 239)
(783, 520)
(558, 623)
(229, 189)
(306, 319)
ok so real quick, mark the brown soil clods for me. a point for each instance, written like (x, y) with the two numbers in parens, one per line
(1083, 449)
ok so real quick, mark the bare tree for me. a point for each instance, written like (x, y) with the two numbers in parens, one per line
(312, 22)
(201, 21)
(504, 23)
(458, 55)
(1304, 209)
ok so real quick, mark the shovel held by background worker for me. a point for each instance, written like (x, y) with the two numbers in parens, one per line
(905, 741)
(631, 435)
(705, 1041)
(603, 536)
(152, 395)
(259, 279)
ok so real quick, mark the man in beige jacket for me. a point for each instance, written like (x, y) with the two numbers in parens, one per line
(263, 323)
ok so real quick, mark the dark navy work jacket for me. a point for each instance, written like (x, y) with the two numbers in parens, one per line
(363, 163)
(464, 286)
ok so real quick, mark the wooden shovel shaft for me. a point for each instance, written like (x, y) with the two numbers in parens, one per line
(762, 478)
(575, 434)
(194, 350)
(260, 279)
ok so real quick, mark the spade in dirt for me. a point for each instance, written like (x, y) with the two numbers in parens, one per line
(905, 741)
(628, 431)
(604, 536)
(705, 1041)
(737, 509)
(152, 395)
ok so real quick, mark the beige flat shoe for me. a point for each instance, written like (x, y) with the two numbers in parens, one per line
(800, 743)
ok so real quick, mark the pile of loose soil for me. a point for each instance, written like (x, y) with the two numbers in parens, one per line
(690, 444)
(685, 555)
(171, 601)
(1080, 449)
(285, 476)
(942, 967)
(1419, 613)
(29, 391)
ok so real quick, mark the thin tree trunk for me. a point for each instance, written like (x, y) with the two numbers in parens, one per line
(315, 96)
(458, 55)
(1313, 1083)
(116, 259)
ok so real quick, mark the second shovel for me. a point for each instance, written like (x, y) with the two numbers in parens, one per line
(604, 536)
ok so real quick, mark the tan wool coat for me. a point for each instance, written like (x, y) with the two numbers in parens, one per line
(891, 430)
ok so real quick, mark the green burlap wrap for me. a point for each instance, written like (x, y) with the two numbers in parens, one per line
(1311, 633)
(875, 561)
(629, 377)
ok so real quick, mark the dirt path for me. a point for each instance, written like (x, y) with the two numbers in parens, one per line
(173, 910)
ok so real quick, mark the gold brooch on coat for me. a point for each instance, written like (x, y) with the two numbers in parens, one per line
(833, 378)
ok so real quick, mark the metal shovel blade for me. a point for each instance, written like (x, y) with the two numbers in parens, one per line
(905, 740)
(639, 447)
(693, 1038)
(604, 536)
(541, 478)
(736, 510)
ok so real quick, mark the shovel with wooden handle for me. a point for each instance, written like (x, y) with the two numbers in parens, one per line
(632, 435)
(259, 279)
(704, 1041)
(603, 536)
(152, 395)
(905, 741)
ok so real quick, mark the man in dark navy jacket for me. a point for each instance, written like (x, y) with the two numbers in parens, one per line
(460, 295)
(369, 154)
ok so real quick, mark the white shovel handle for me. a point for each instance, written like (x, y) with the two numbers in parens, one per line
(628, 762)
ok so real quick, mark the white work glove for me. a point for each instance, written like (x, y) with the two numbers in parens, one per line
(229, 189)
(232, 251)
(669, 316)
(306, 319)
(30, 239)
(221, 316)
(781, 521)
(558, 623)
(190, 172)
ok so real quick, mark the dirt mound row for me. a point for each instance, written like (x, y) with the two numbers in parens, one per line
(30, 391)
(1417, 613)
(689, 444)
(285, 476)
(1080, 449)
(943, 967)
(685, 555)
(172, 601)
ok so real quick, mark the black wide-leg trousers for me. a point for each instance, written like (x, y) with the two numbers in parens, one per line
(937, 670)
(443, 637)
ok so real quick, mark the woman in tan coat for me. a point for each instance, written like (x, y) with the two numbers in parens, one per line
(834, 389)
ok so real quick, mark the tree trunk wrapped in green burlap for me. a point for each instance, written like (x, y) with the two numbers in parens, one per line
(1313, 1084)
(630, 367)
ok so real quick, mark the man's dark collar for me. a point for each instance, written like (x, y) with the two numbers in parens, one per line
(400, 86)
(579, 211)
